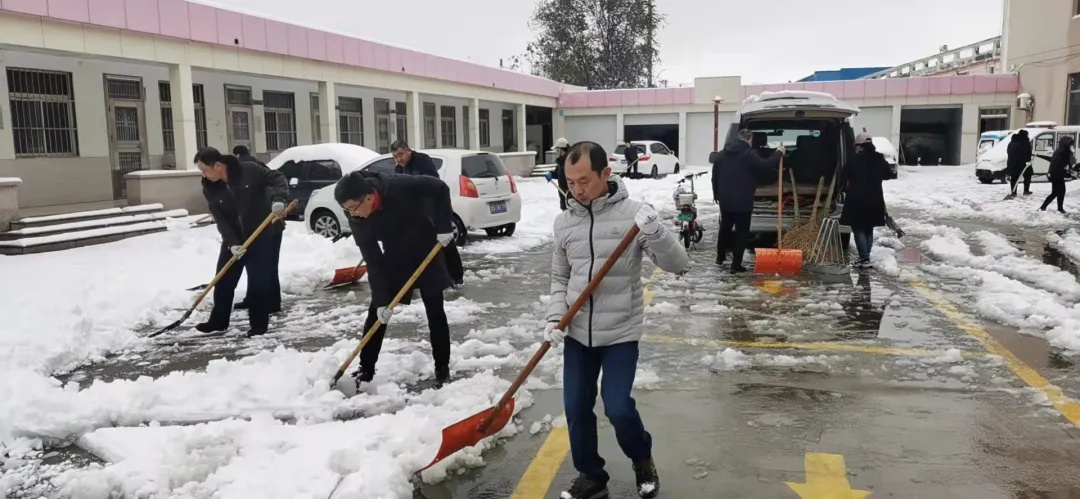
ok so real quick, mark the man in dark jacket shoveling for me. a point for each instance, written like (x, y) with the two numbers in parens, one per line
(408, 214)
(241, 195)
(1019, 155)
(244, 155)
(410, 162)
(734, 180)
(1060, 163)
(604, 334)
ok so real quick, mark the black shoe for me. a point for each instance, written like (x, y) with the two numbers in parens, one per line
(737, 269)
(243, 305)
(207, 327)
(362, 375)
(257, 331)
(1062, 211)
(648, 482)
(1027, 193)
(719, 261)
(584, 487)
(442, 376)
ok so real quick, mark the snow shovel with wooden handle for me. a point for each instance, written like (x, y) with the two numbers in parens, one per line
(779, 260)
(347, 275)
(393, 303)
(271, 218)
(470, 431)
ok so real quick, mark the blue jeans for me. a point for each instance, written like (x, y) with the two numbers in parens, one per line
(581, 368)
(864, 240)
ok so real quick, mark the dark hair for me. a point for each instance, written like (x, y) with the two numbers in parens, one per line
(399, 144)
(591, 150)
(352, 186)
(208, 156)
(241, 151)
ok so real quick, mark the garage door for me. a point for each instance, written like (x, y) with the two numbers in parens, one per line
(599, 129)
(699, 136)
(877, 121)
(651, 119)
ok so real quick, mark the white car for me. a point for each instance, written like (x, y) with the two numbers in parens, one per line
(887, 149)
(654, 159)
(482, 193)
(312, 167)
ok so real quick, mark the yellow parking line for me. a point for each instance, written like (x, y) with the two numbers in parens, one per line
(804, 346)
(1065, 405)
(537, 479)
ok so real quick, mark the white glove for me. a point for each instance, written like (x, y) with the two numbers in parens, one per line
(555, 336)
(238, 251)
(278, 207)
(647, 220)
(385, 314)
(445, 239)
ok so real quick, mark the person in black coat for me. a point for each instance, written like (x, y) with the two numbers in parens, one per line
(864, 199)
(408, 214)
(1059, 165)
(240, 196)
(410, 162)
(562, 148)
(734, 180)
(277, 230)
(631, 155)
(1019, 154)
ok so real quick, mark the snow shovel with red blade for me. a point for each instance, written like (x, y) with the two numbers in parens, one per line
(347, 275)
(271, 218)
(470, 431)
(407, 288)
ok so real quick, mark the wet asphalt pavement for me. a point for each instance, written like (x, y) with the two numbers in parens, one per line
(858, 367)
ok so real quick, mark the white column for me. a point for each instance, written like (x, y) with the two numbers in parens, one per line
(683, 132)
(183, 111)
(258, 128)
(894, 136)
(415, 111)
(620, 130)
(474, 124)
(328, 117)
(519, 115)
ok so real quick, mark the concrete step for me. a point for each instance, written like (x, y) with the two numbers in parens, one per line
(82, 216)
(82, 236)
(87, 224)
(541, 170)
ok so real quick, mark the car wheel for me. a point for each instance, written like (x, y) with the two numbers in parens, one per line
(986, 180)
(676, 168)
(461, 234)
(655, 172)
(324, 223)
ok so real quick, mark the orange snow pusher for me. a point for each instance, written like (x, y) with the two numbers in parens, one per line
(347, 275)
(779, 260)
(470, 431)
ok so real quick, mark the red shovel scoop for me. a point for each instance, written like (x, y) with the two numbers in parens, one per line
(471, 430)
(347, 275)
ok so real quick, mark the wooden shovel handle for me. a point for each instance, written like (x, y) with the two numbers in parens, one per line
(780, 205)
(627, 240)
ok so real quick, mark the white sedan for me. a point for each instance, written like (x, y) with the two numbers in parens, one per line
(482, 193)
(654, 159)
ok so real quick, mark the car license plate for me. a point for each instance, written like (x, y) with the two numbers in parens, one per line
(622, 161)
(497, 207)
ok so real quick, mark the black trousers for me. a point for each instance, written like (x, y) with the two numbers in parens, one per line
(453, 263)
(438, 327)
(258, 263)
(734, 235)
(1057, 190)
(274, 293)
(562, 202)
(1015, 177)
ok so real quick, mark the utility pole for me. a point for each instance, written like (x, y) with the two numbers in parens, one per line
(649, 43)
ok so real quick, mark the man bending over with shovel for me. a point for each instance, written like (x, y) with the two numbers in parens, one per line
(407, 214)
(604, 335)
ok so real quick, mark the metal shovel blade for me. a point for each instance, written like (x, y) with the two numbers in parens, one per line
(468, 432)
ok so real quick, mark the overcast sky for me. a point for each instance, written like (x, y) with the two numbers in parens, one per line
(764, 41)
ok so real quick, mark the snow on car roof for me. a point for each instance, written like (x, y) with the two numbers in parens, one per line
(348, 156)
(884, 146)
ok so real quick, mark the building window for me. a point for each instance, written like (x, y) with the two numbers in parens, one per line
(509, 131)
(402, 121)
(382, 125)
(485, 128)
(1076, 8)
(42, 113)
(1073, 106)
(351, 120)
(168, 136)
(429, 126)
(448, 124)
(316, 122)
(465, 124)
(279, 112)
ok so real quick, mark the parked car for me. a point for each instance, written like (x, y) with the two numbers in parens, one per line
(312, 167)
(990, 165)
(482, 193)
(816, 132)
(654, 159)
(886, 148)
(987, 140)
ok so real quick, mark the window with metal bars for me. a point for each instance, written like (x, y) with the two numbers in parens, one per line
(351, 120)
(168, 136)
(316, 121)
(42, 113)
(448, 120)
(465, 124)
(429, 126)
(485, 128)
(402, 121)
(279, 112)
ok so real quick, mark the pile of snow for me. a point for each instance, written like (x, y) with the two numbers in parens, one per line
(1004, 259)
(731, 359)
(1067, 243)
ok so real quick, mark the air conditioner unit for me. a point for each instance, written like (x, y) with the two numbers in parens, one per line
(1025, 102)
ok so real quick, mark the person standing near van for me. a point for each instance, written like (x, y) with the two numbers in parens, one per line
(1059, 166)
(631, 156)
(864, 204)
(562, 148)
(277, 230)
(1019, 155)
(734, 180)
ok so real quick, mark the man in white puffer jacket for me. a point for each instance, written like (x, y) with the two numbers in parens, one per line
(604, 334)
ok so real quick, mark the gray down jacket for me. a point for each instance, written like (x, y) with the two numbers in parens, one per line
(584, 238)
